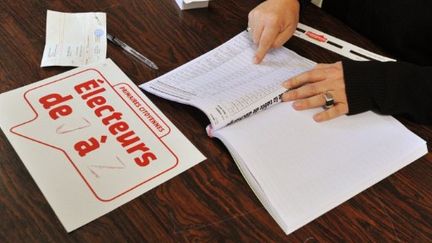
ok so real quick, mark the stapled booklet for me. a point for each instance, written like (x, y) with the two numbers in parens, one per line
(299, 169)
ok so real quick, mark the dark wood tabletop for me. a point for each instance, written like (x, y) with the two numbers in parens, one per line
(211, 201)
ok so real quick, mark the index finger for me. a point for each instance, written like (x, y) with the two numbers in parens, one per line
(267, 38)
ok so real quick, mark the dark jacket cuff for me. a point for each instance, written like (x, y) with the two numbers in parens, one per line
(361, 82)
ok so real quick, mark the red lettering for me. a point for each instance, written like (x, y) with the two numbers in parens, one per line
(145, 159)
(96, 101)
(320, 38)
(91, 84)
(51, 100)
(114, 116)
(118, 127)
(140, 147)
(94, 92)
(63, 110)
(98, 111)
(126, 140)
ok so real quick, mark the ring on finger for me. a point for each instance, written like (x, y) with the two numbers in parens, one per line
(329, 100)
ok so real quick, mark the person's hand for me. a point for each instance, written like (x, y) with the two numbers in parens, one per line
(308, 90)
(272, 23)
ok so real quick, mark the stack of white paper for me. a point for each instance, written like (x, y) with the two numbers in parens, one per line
(299, 169)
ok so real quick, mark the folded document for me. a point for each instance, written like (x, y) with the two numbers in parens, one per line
(74, 39)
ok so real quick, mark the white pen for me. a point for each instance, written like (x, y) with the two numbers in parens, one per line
(131, 51)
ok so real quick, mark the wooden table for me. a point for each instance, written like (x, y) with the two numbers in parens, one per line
(211, 201)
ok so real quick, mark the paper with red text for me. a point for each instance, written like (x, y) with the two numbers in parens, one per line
(92, 141)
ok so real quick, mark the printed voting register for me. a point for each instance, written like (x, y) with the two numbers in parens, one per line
(92, 141)
(298, 169)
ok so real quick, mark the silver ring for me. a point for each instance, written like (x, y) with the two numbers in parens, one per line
(248, 29)
(329, 101)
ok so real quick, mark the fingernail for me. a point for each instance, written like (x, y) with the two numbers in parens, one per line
(296, 105)
(286, 84)
(317, 118)
(256, 60)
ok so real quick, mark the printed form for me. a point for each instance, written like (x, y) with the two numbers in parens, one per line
(225, 84)
(74, 39)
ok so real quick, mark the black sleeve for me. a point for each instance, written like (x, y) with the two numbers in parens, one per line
(389, 88)
(303, 4)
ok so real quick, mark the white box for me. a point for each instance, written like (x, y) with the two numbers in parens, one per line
(190, 4)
